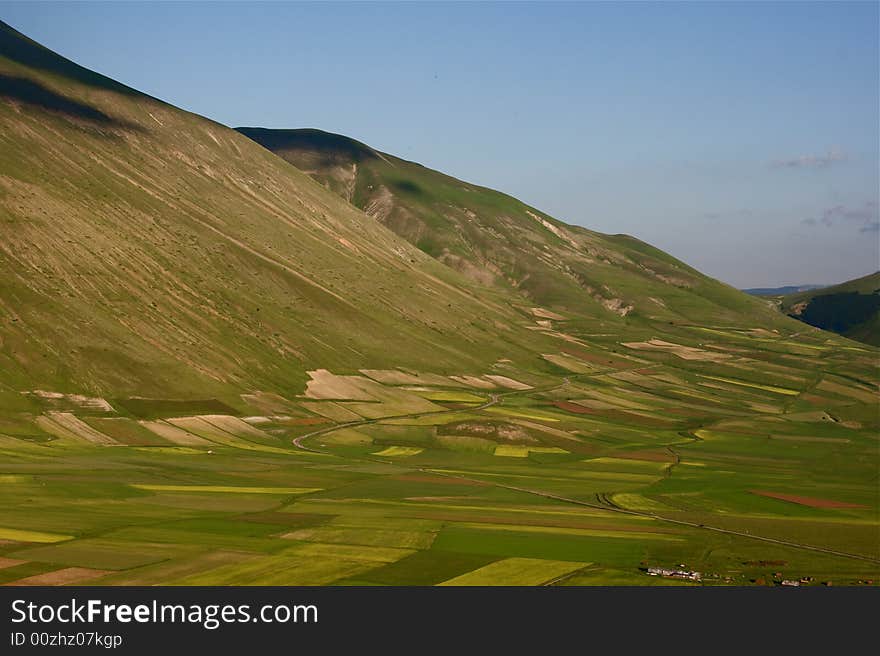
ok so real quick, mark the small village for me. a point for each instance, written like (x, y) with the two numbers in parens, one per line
(675, 573)
(777, 579)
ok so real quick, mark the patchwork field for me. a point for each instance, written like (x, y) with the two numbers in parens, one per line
(586, 478)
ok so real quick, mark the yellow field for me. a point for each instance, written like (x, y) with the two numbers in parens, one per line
(512, 450)
(517, 571)
(631, 501)
(31, 536)
(182, 450)
(399, 451)
(15, 478)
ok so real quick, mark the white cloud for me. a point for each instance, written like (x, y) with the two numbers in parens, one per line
(811, 161)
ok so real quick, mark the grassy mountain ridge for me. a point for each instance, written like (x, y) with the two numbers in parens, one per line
(499, 241)
(851, 308)
(147, 249)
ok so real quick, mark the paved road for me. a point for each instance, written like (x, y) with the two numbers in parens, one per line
(660, 518)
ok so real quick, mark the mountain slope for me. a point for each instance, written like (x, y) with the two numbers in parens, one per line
(146, 250)
(501, 242)
(851, 308)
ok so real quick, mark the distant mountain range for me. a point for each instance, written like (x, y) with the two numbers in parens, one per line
(781, 291)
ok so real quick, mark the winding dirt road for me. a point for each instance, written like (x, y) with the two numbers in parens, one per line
(498, 398)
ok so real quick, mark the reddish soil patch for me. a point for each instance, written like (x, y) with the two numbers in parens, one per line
(307, 421)
(684, 412)
(64, 576)
(652, 456)
(812, 502)
(817, 400)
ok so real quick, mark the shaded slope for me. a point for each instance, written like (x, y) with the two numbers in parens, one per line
(147, 250)
(501, 242)
(851, 308)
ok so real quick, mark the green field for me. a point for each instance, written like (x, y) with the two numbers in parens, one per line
(742, 498)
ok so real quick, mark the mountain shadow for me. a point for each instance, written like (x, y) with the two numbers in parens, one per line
(34, 94)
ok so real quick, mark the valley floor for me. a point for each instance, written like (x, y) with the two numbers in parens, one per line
(755, 463)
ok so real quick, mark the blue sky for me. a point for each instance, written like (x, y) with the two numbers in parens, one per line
(740, 137)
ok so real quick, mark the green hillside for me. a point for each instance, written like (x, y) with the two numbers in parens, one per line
(501, 242)
(851, 308)
(147, 250)
(214, 370)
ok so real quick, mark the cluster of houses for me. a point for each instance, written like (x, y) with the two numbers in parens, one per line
(793, 583)
(675, 573)
(690, 575)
